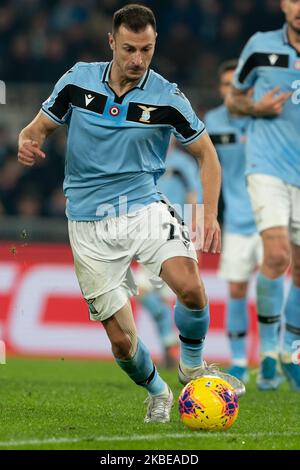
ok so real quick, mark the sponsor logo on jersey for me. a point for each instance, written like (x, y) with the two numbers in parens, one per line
(88, 99)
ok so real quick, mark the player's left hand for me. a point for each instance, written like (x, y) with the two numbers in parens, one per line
(212, 234)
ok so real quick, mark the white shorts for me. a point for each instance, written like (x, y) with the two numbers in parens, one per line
(149, 283)
(241, 255)
(103, 251)
(275, 204)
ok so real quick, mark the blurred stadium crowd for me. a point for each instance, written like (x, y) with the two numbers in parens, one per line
(40, 40)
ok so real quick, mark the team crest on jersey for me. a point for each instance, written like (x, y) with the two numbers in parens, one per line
(297, 64)
(225, 139)
(273, 58)
(114, 111)
(146, 113)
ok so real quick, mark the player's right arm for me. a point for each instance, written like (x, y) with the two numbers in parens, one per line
(32, 137)
(271, 104)
(55, 112)
(239, 101)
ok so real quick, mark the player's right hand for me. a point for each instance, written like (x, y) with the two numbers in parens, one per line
(28, 151)
(271, 104)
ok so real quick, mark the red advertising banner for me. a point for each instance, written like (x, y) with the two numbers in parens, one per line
(42, 312)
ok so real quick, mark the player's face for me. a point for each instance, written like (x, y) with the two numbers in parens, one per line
(225, 83)
(133, 52)
(291, 8)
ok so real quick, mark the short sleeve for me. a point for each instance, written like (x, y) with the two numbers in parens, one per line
(187, 127)
(246, 72)
(57, 107)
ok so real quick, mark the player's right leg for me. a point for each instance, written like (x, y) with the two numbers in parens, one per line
(271, 206)
(134, 359)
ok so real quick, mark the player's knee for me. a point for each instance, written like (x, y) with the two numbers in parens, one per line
(238, 290)
(122, 347)
(278, 260)
(193, 296)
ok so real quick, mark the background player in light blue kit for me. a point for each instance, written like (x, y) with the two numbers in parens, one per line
(120, 117)
(242, 248)
(270, 62)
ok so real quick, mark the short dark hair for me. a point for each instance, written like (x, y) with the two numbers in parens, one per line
(227, 66)
(134, 17)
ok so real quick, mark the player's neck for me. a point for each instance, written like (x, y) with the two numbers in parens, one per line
(119, 83)
(294, 38)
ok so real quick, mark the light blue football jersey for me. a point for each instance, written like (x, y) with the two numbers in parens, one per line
(116, 146)
(228, 134)
(273, 147)
(182, 176)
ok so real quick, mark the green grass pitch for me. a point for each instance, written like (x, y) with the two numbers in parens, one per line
(66, 404)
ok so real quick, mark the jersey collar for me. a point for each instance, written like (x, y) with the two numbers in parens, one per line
(286, 40)
(141, 84)
(285, 34)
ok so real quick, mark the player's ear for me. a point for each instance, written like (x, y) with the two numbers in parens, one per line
(111, 41)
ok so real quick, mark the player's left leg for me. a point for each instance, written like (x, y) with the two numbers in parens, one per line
(241, 255)
(192, 319)
(237, 329)
(191, 310)
(290, 355)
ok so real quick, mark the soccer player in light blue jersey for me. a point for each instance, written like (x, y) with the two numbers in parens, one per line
(242, 247)
(120, 116)
(270, 64)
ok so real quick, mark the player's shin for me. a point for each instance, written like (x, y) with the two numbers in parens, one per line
(193, 326)
(142, 371)
(237, 327)
(292, 323)
(161, 312)
(269, 306)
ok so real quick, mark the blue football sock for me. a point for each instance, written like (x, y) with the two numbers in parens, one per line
(237, 327)
(270, 296)
(292, 320)
(142, 370)
(193, 327)
(162, 314)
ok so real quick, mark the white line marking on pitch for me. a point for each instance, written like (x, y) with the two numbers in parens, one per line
(152, 437)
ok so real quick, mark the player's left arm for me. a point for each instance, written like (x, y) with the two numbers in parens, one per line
(210, 169)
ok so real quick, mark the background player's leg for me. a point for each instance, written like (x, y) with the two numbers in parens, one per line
(162, 314)
(191, 310)
(291, 343)
(237, 328)
(270, 296)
